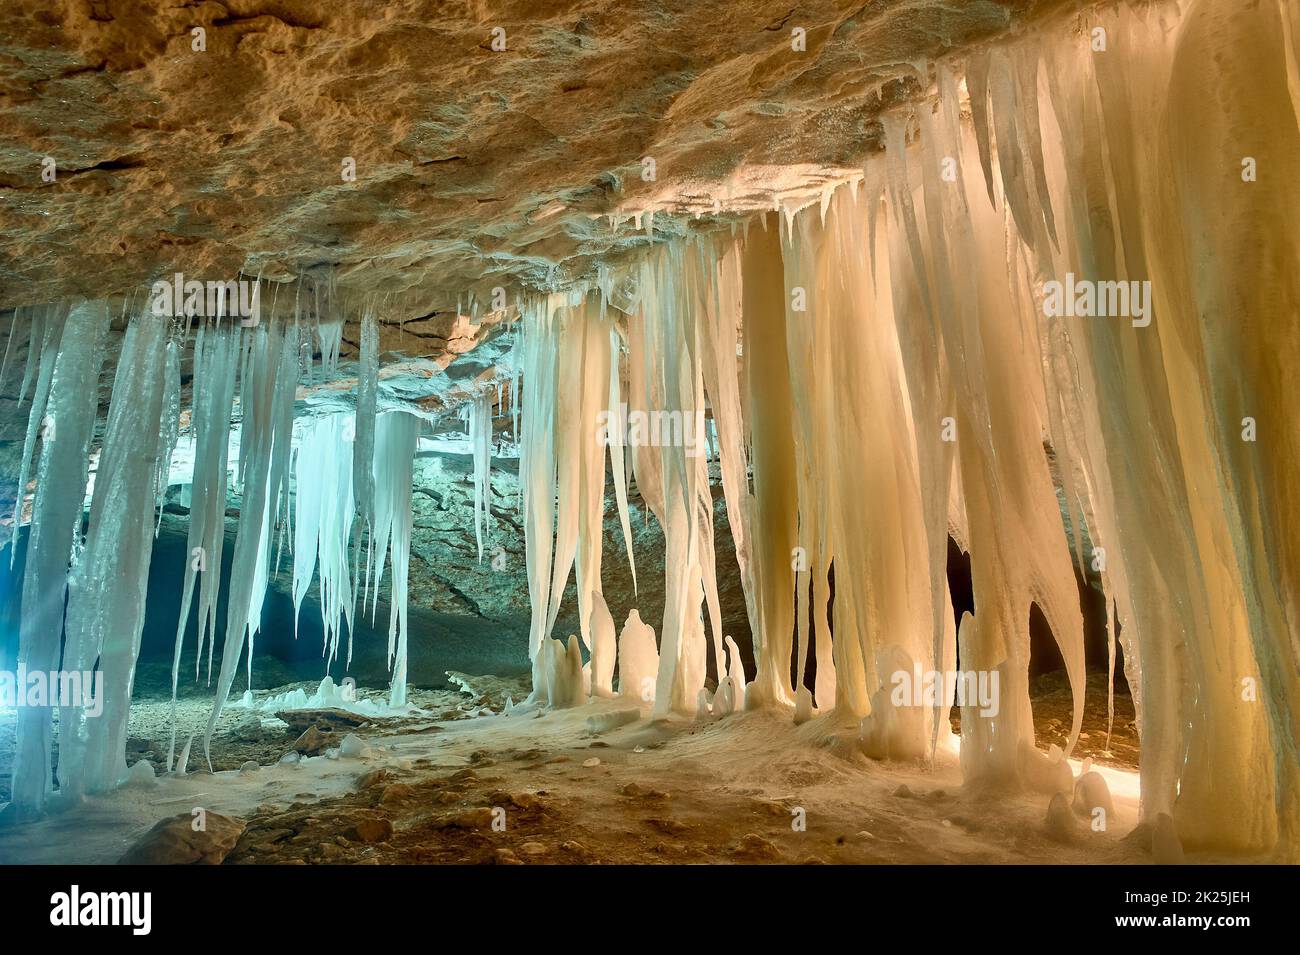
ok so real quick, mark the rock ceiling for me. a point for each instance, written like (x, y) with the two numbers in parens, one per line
(474, 166)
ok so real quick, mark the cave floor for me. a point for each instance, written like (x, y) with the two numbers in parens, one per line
(457, 787)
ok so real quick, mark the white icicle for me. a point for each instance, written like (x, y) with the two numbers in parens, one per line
(56, 519)
(395, 438)
(265, 438)
(171, 424)
(216, 354)
(363, 452)
(323, 517)
(480, 437)
(106, 601)
(50, 335)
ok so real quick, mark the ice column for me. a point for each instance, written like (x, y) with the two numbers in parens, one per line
(56, 525)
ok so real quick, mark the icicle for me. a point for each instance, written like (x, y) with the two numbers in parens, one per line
(9, 343)
(480, 436)
(323, 519)
(266, 435)
(171, 423)
(330, 335)
(900, 190)
(977, 79)
(36, 338)
(106, 601)
(363, 453)
(56, 518)
(1006, 109)
(395, 440)
(216, 354)
(51, 333)
(615, 410)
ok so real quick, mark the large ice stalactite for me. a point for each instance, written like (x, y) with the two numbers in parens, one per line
(904, 375)
(48, 331)
(56, 517)
(396, 433)
(266, 403)
(322, 524)
(107, 588)
(538, 355)
(566, 348)
(324, 473)
(216, 356)
(363, 481)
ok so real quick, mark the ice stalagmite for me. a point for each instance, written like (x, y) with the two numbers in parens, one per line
(564, 685)
(638, 659)
(55, 526)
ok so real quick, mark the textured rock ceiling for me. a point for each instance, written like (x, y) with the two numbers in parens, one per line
(474, 168)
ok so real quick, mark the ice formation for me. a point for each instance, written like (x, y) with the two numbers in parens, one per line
(395, 439)
(107, 585)
(105, 575)
(323, 475)
(897, 348)
(479, 420)
(216, 354)
(906, 374)
(56, 515)
(267, 389)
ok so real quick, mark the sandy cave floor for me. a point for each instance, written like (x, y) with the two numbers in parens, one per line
(647, 792)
